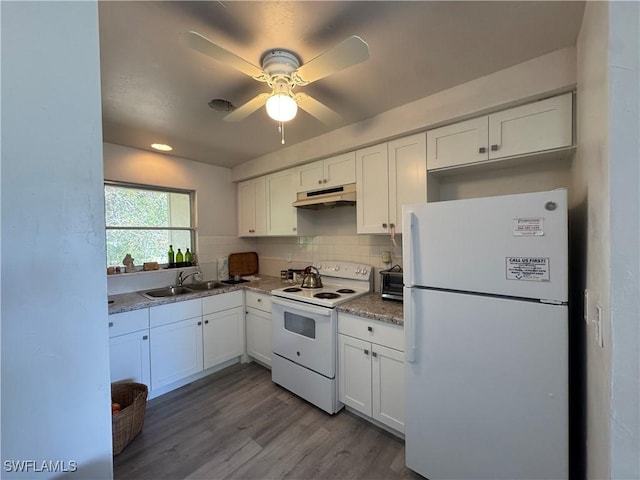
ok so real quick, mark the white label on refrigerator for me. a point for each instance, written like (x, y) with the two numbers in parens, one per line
(524, 227)
(532, 269)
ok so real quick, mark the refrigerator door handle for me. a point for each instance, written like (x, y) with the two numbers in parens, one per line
(409, 327)
(408, 265)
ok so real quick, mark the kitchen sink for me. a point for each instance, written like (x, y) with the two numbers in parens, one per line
(167, 292)
(200, 286)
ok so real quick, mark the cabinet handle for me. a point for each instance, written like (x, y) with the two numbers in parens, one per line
(146, 337)
(370, 329)
(482, 150)
(366, 352)
(259, 300)
(324, 181)
(392, 225)
(384, 225)
(320, 182)
(206, 322)
(294, 229)
(494, 148)
(374, 354)
(199, 323)
(110, 324)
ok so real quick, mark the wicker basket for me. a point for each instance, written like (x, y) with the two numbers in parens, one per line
(127, 423)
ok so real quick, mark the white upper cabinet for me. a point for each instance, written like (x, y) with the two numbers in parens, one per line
(388, 176)
(282, 218)
(252, 208)
(534, 127)
(327, 173)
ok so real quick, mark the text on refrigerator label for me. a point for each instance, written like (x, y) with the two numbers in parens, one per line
(528, 226)
(532, 269)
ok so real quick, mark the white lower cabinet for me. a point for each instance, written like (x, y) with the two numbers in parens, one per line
(223, 336)
(129, 347)
(371, 369)
(258, 321)
(176, 351)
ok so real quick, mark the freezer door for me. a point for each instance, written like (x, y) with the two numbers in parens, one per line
(486, 393)
(513, 245)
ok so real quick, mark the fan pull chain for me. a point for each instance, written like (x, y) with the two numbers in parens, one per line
(281, 130)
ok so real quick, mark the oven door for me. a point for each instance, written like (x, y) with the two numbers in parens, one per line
(305, 334)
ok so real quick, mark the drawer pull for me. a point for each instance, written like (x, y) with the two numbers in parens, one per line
(482, 150)
(366, 352)
(259, 300)
(206, 322)
(494, 148)
(370, 328)
(199, 323)
(145, 337)
(374, 354)
(110, 324)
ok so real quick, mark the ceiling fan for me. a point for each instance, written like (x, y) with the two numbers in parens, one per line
(282, 72)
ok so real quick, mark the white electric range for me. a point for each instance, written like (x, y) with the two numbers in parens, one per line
(305, 331)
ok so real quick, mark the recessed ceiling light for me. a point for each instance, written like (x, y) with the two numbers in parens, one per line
(162, 147)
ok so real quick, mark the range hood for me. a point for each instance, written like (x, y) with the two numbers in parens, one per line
(327, 198)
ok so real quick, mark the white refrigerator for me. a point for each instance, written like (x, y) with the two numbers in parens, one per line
(486, 326)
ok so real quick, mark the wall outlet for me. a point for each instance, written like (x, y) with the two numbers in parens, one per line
(386, 257)
(598, 322)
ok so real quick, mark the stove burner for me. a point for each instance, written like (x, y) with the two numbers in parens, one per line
(292, 289)
(327, 295)
(345, 290)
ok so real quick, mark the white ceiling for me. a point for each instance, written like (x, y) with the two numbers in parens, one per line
(154, 89)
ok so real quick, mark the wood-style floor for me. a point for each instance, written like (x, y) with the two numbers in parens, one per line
(238, 424)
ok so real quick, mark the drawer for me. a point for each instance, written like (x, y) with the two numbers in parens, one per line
(258, 301)
(174, 312)
(128, 322)
(373, 331)
(222, 301)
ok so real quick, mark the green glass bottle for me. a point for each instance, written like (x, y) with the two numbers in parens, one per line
(179, 258)
(188, 258)
(171, 261)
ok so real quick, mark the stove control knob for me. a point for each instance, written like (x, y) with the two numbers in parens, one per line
(357, 270)
(319, 267)
(364, 271)
(336, 268)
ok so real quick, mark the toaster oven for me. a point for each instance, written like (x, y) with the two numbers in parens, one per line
(391, 283)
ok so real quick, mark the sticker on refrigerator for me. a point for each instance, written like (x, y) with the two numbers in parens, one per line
(531, 269)
(530, 226)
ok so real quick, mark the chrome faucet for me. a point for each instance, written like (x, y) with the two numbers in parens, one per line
(180, 280)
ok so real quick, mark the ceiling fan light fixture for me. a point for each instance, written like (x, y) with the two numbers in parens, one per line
(281, 107)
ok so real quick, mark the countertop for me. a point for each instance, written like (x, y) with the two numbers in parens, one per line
(369, 306)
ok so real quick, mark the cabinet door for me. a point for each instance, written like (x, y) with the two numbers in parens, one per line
(388, 386)
(252, 208)
(354, 361)
(129, 357)
(223, 336)
(282, 218)
(176, 351)
(309, 176)
(259, 335)
(339, 170)
(534, 127)
(372, 206)
(407, 175)
(458, 144)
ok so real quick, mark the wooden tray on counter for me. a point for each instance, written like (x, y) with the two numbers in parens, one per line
(243, 264)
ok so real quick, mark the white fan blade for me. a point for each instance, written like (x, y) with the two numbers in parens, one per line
(319, 110)
(243, 111)
(203, 45)
(347, 53)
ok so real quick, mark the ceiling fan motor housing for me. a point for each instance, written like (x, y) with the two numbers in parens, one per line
(280, 62)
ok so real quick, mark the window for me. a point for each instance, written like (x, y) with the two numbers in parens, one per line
(144, 221)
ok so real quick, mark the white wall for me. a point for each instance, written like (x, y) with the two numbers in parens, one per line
(605, 199)
(624, 176)
(551, 73)
(55, 363)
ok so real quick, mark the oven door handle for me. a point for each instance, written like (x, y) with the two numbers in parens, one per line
(302, 307)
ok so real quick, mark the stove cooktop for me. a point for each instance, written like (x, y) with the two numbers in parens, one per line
(342, 281)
